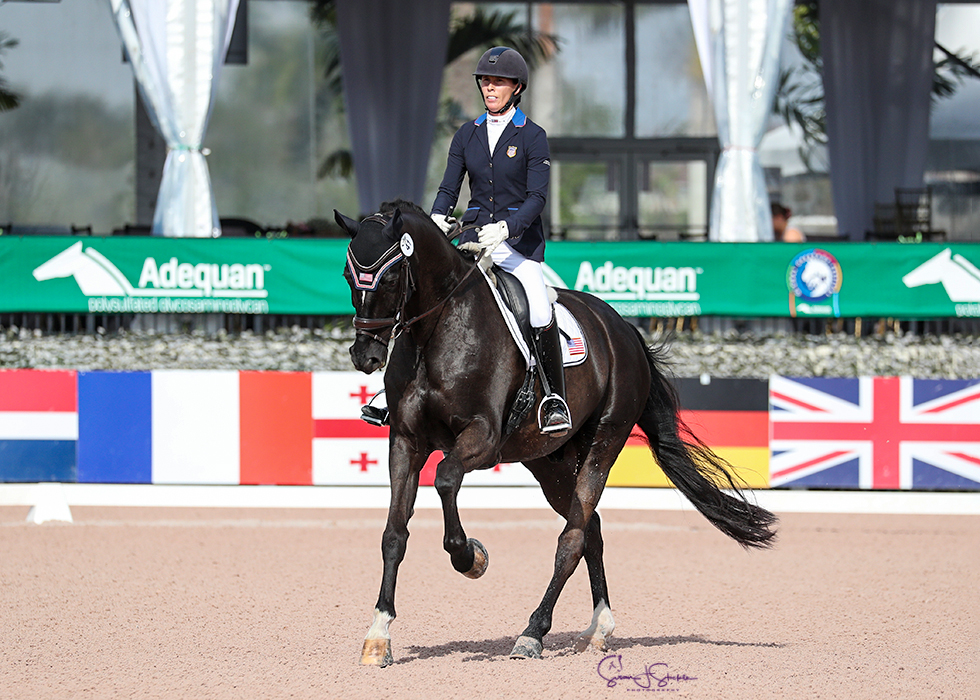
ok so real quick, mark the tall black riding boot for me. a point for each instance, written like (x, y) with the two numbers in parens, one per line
(554, 418)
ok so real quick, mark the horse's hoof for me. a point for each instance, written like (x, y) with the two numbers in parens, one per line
(377, 652)
(526, 648)
(597, 642)
(481, 560)
(599, 631)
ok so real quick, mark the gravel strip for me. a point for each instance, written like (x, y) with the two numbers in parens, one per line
(729, 354)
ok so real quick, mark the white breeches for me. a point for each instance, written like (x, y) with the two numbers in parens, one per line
(531, 276)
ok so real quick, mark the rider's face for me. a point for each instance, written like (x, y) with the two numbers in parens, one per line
(497, 92)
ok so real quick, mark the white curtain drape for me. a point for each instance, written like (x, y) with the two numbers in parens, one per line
(393, 53)
(877, 75)
(177, 48)
(738, 44)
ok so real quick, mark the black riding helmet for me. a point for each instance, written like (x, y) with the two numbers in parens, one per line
(503, 62)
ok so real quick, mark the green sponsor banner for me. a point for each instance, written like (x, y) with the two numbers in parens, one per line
(924, 280)
(173, 275)
(258, 276)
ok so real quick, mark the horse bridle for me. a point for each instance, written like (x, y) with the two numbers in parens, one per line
(384, 330)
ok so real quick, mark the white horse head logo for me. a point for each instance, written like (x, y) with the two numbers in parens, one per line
(818, 277)
(93, 272)
(959, 277)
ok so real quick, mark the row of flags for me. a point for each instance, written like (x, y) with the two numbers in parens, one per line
(303, 428)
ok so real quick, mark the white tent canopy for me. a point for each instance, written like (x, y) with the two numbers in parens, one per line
(177, 48)
(738, 43)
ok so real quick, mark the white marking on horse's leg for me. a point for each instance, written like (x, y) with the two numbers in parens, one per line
(377, 644)
(599, 631)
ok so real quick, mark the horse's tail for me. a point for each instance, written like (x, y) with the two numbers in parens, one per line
(694, 469)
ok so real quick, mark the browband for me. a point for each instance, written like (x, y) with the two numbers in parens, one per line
(367, 278)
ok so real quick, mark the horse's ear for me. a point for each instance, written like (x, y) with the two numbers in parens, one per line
(394, 228)
(346, 223)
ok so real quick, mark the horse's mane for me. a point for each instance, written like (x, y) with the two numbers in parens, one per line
(409, 207)
(404, 205)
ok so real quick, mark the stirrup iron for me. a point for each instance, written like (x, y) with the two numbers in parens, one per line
(558, 429)
(375, 415)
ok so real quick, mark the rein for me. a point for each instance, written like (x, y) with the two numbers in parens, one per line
(399, 327)
(384, 330)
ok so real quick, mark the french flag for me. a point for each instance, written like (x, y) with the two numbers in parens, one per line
(38, 425)
(195, 427)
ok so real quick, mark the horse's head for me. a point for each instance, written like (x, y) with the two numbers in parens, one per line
(61, 265)
(929, 272)
(380, 282)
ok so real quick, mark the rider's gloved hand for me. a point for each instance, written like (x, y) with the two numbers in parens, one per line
(492, 235)
(444, 222)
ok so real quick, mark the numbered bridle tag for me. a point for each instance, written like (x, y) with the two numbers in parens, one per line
(407, 245)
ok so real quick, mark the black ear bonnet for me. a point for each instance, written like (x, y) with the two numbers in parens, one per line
(373, 250)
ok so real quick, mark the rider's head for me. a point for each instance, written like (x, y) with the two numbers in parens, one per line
(501, 76)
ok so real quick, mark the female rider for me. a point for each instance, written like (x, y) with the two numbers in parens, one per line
(507, 159)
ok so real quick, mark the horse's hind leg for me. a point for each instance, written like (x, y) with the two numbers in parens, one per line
(579, 538)
(559, 492)
(405, 467)
(571, 547)
(602, 625)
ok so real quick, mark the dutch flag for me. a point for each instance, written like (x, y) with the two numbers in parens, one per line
(38, 425)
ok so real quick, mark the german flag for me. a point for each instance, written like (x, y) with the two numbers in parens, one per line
(731, 416)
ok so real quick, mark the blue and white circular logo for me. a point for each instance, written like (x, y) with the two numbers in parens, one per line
(814, 275)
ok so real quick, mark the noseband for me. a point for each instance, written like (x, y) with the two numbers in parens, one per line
(367, 278)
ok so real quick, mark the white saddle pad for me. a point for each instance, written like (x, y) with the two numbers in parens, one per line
(574, 350)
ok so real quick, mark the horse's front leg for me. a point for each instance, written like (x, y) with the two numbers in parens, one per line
(475, 447)
(405, 464)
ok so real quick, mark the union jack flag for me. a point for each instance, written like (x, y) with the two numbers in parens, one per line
(875, 433)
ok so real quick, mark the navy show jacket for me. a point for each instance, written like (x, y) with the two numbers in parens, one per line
(510, 186)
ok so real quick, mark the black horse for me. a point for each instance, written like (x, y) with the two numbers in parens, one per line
(453, 373)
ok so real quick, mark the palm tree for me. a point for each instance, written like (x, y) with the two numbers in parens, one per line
(8, 98)
(481, 29)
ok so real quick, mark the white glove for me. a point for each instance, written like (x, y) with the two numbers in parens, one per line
(444, 222)
(492, 235)
(486, 262)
